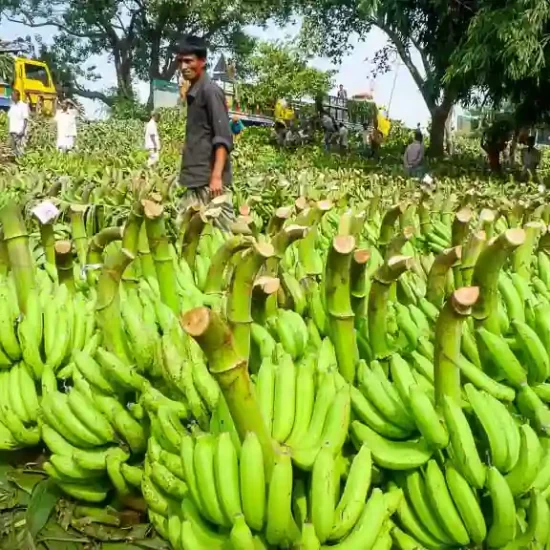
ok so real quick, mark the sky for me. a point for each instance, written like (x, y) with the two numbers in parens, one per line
(396, 90)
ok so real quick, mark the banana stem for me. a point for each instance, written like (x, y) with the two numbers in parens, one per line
(387, 228)
(448, 338)
(130, 241)
(17, 243)
(278, 219)
(398, 242)
(97, 246)
(470, 254)
(382, 281)
(191, 238)
(262, 307)
(146, 263)
(435, 287)
(161, 252)
(374, 205)
(221, 263)
(183, 221)
(424, 218)
(239, 303)
(47, 238)
(338, 302)
(460, 226)
(230, 369)
(4, 256)
(359, 281)
(108, 301)
(485, 277)
(523, 254)
(281, 241)
(78, 231)
(64, 264)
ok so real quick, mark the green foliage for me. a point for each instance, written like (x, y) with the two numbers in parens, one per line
(280, 70)
(361, 110)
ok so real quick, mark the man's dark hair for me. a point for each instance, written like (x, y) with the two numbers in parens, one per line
(192, 45)
(418, 136)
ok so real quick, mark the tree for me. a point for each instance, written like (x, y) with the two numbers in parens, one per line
(278, 70)
(139, 36)
(520, 74)
(433, 29)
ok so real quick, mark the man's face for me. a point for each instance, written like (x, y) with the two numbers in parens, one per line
(15, 96)
(191, 66)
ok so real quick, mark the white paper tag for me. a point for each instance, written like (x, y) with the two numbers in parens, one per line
(46, 211)
(427, 179)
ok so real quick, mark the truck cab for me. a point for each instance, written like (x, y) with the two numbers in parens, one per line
(33, 80)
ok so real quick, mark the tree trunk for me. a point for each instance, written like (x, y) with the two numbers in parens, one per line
(437, 133)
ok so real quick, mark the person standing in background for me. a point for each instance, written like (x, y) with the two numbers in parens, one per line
(64, 126)
(343, 138)
(152, 139)
(414, 156)
(18, 119)
(531, 159)
(237, 127)
(342, 93)
(206, 164)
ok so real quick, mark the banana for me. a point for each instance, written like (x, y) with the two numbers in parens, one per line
(423, 366)
(534, 351)
(265, 390)
(463, 445)
(369, 525)
(172, 462)
(70, 470)
(123, 422)
(121, 374)
(171, 485)
(351, 504)
(171, 427)
(62, 340)
(91, 371)
(467, 504)
(187, 452)
(174, 530)
(203, 461)
(226, 468)
(403, 541)
(376, 392)
(393, 455)
(531, 406)
(309, 540)
(285, 335)
(369, 415)
(279, 500)
(87, 493)
(206, 384)
(7, 441)
(509, 427)
(484, 382)
(294, 288)
(503, 526)
(442, 503)
(300, 505)
(159, 522)
(538, 529)
(206, 535)
(427, 419)
(415, 490)
(8, 336)
(492, 427)
(402, 376)
(299, 327)
(155, 499)
(132, 474)
(511, 297)
(305, 400)
(323, 483)
(241, 537)
(524, 473)
(27, 389)
(113, 462)
(502, 357)
(284, 402)
(30, 347)
(406, 325)
(263, 339)
(15, 398)
(85, 410)
(252, 482)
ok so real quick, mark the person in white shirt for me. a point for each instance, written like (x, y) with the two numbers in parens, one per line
(18, 119)
(65, 120)
(152, 140)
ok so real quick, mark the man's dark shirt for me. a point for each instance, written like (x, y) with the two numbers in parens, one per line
(207, 127)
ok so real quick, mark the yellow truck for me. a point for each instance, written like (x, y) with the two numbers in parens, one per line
(33, 80)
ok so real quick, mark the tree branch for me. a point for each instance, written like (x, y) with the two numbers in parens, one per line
(404, 54)
(50, 23)
(91, 94)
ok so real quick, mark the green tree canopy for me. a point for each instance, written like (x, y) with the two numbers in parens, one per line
(139, 36)
(281, 70)
(433, 29)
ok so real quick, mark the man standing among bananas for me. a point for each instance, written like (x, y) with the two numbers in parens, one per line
(206, 165)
